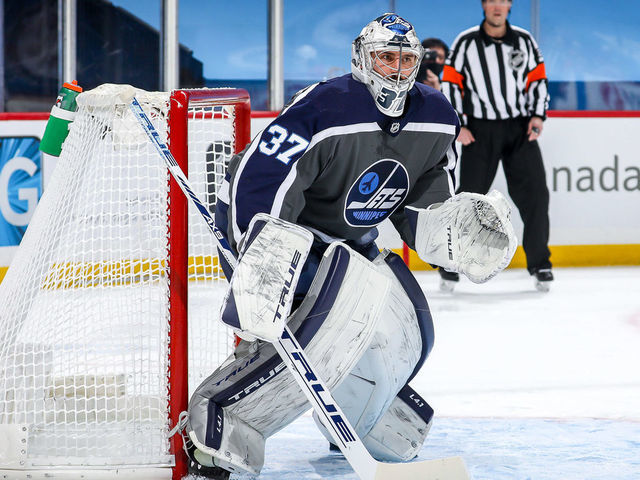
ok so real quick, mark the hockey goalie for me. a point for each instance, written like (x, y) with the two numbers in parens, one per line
(302, 202)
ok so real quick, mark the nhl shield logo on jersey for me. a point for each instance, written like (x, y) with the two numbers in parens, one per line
(376, 193)
(516, 59)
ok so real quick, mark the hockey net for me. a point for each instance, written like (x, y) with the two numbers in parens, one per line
(94, 306)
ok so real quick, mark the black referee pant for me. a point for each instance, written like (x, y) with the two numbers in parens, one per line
(507, 140)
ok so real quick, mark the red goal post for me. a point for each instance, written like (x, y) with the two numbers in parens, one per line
(179, 116)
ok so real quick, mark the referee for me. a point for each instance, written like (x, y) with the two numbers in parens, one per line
(495, 79)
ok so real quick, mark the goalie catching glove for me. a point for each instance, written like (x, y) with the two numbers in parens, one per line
(470, 233)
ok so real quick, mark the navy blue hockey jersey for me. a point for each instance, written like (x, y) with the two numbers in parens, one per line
(335, 164)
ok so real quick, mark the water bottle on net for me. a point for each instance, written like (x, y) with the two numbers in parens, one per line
(62, 114)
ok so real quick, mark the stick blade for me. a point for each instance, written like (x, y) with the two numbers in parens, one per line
(450, 468)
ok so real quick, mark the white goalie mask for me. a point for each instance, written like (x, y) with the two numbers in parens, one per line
(385, 57)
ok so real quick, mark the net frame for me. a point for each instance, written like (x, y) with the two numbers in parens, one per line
(178, 145)
(184, 107)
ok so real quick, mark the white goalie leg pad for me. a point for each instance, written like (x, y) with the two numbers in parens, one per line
(470, 233)
(400, 433)
(259, 298)
(256, 394)
(371, 387)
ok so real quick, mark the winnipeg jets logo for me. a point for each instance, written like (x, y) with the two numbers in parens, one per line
(376, 193)
(516, 59)
(395, 23)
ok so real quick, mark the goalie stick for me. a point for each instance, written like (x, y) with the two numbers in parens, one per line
(305, 374)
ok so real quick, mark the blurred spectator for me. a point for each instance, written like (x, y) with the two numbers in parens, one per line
(436, 52)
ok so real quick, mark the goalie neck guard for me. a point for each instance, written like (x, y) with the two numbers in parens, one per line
(389, 86)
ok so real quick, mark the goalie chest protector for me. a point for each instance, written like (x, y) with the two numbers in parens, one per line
(333, 162)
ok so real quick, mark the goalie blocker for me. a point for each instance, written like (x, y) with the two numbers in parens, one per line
(366, 326)
(263, 284)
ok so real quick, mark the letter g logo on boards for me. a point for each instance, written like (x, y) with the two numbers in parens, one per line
(19, 186)
(376, 193)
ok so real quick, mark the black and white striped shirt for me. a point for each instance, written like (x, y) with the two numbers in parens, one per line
(496, 79)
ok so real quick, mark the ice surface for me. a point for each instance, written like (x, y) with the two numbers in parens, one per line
(525, 385)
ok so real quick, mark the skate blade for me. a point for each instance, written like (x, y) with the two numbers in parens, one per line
(543, 286)
(203, 458)
(447, 285)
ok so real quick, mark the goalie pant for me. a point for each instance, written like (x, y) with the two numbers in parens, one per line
(366, 344)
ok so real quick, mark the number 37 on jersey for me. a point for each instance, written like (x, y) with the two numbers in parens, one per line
(284, 144)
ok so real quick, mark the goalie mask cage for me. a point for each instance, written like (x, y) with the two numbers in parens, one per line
(94, 363)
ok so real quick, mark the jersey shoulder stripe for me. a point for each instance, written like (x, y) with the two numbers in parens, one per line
(430, 106)
(298, 96)
(465, 35)
(343, 130)
(521, 31)
(431, 127)
(335, 102)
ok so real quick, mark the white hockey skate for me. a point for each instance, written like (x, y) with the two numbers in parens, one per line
(543, 278)
(448, 280)
(201, 464)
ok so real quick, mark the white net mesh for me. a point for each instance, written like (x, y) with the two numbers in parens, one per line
(211, 141)
(85, 312)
